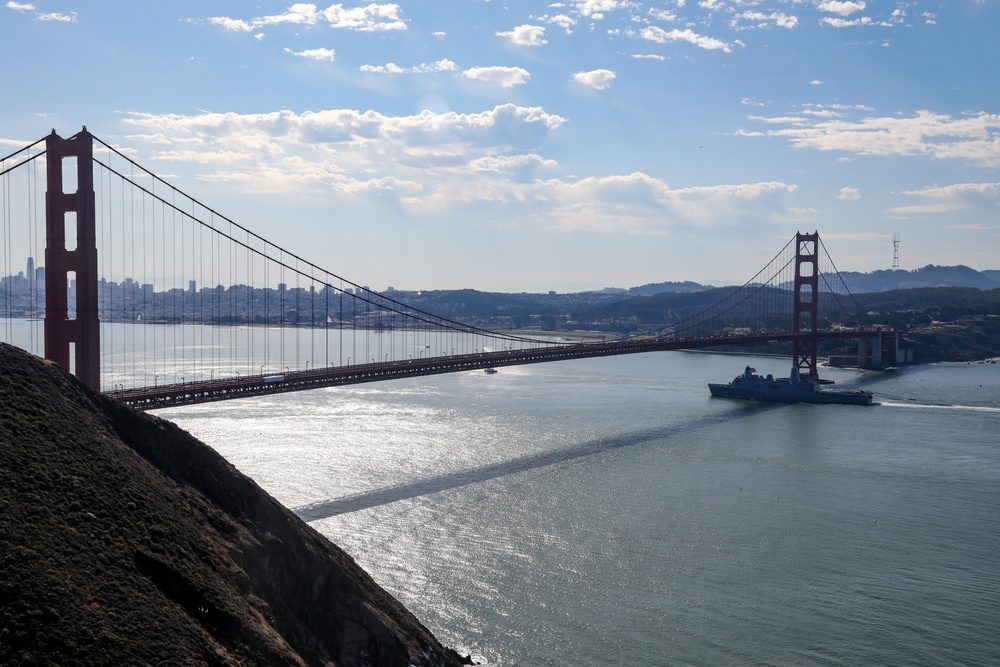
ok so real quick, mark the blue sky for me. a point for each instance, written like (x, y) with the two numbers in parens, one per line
(529, 146)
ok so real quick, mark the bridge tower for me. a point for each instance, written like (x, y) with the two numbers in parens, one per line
(72, 215)
(806, 309)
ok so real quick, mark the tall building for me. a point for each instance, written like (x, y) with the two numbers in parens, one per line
(30, 271)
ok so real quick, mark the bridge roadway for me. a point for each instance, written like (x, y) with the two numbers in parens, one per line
(188, 393)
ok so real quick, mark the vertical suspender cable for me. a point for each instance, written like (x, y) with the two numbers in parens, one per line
(125, 328)
(281, 307)
(146, 355)
(32, 236)
(251, 284)
(7, 291)
(297, 322)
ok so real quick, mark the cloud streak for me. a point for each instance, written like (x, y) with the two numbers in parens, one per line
(660, 36)
(974, 139)
(368, 18)
(951, 198)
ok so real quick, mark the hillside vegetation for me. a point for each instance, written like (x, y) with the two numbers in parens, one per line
(125, 541)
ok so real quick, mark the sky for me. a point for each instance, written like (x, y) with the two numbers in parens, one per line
(532, 146)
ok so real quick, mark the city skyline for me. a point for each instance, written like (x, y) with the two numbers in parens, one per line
(169, 284)
(512, 146)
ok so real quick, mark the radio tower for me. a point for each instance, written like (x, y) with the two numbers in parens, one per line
(895, 251)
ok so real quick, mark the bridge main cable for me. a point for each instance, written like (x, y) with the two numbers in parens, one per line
(397, 307)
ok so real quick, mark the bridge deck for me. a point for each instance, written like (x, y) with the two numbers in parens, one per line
(151, 398)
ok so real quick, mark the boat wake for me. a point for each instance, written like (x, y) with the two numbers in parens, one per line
(933, 406)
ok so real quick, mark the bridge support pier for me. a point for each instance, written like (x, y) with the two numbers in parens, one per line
(870, 352)
(72, 215)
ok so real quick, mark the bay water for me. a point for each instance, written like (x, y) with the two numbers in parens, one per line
(610, 512)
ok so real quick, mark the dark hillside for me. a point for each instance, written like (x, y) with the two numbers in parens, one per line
(125, 541)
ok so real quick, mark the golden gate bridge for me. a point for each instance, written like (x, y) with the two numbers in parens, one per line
(156, 299)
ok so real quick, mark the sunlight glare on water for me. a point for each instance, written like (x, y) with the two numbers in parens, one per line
(609, 512)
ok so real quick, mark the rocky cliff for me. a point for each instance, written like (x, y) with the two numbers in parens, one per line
(123, 540)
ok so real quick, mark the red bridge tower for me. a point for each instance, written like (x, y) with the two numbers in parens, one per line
(806, 310)
(72, 215)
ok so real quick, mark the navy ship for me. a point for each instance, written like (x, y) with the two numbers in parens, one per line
(793, 389)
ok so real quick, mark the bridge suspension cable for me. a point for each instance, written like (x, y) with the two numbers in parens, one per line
(379, 300)
(187, 295)
(839, 292)
(252, 283)
(766, 301)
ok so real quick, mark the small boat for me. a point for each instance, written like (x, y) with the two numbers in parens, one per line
(490, 371)
(752, 387)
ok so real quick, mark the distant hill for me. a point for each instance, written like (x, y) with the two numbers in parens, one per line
(928, 276)
(876, 281)
(125, 541)
(685, 287)
(621, 310)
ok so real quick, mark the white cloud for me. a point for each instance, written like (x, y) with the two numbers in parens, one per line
(640, 204)
(843, 23)
(822, 113)
(338, 151)
(595, 9)
(368, 18)
(315, 54)
(17, 6)
(664, 15)
(506, 77)
(928, 209)
(849, 194)
(598, 78)
(520, 168)
(661, 36)
(974, 138)
(841, 8)
(991, 190)
(760, 20)
(526, 35)
(235, 25)
(957, 197)
(561, 20)
(56, 16)
(485, 162)
(443, 65)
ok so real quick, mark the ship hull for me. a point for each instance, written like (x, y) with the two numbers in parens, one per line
(782, 395)
(753, 387)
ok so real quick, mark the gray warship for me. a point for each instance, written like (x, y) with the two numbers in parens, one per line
(793, 389)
